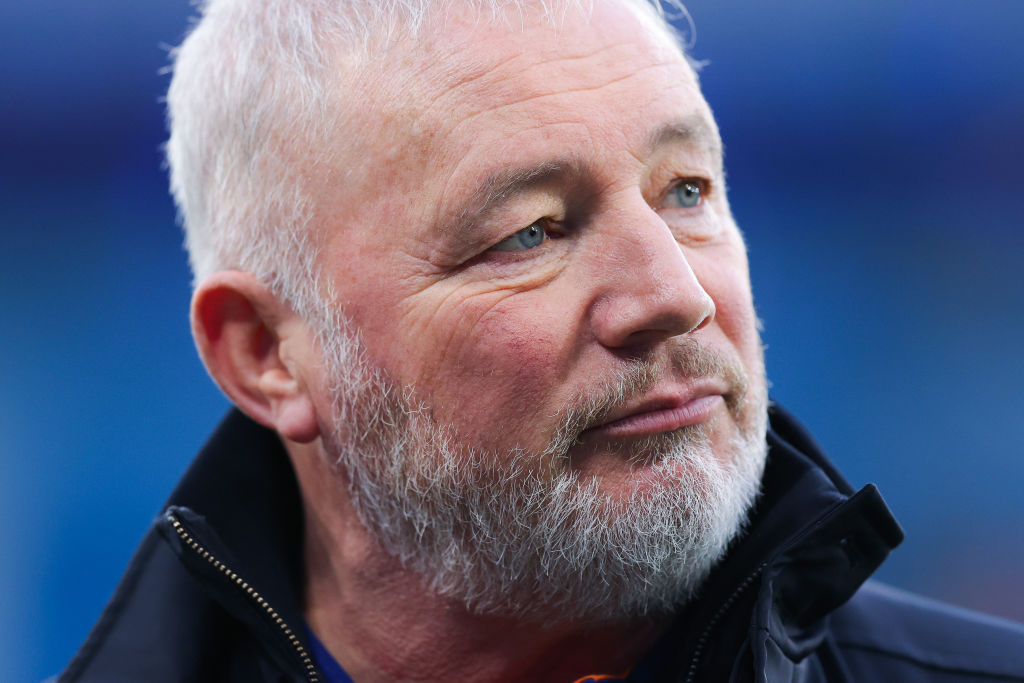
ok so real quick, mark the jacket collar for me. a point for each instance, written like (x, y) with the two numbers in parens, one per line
(810, 544)
(235, 521)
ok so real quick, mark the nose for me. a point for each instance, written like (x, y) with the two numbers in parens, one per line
(649, 291)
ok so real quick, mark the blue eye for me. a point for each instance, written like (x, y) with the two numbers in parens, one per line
(529, 237)
(685, 195)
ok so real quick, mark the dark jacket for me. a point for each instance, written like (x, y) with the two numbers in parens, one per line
(214, 591)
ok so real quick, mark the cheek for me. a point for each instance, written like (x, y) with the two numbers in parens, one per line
(724, 275)
(734, 309)
(500, 383)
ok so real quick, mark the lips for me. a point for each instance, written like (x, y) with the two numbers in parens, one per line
(660, 413)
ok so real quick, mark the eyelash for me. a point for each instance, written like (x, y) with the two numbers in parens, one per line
(703, 186)
(554, 229)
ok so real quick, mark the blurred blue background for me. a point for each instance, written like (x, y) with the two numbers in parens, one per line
(874, 151)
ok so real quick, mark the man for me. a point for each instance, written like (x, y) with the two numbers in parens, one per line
(469, 272)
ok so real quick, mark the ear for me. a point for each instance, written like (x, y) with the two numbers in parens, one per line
(256, 349)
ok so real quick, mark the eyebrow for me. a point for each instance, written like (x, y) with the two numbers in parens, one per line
(692, 130)
(505, 185)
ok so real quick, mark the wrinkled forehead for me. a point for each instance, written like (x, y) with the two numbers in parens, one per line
(455, 48)
(459, 48)
(467, 81)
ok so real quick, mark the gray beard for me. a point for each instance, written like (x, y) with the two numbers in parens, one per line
(521, 534)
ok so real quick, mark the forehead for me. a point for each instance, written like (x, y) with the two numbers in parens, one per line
(511, 76)
(469, 99)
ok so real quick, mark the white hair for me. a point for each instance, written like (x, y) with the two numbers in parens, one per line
(250, 108)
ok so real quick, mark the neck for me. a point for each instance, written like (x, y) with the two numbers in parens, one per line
(383, 623)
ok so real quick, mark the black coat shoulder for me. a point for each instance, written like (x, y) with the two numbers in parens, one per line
(886, 634)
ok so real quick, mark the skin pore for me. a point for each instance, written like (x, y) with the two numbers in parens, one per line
(528, 216)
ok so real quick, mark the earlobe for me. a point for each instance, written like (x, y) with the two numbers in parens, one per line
(294, 416)
(252, 346)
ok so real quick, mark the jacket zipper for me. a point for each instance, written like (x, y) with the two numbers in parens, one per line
(702, 641)
(312, 676)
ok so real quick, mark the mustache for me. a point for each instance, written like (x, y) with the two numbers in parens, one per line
(687, 360)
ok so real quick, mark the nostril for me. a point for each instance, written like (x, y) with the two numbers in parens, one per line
(709, 315)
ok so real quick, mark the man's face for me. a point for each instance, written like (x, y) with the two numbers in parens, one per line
(541, 256)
